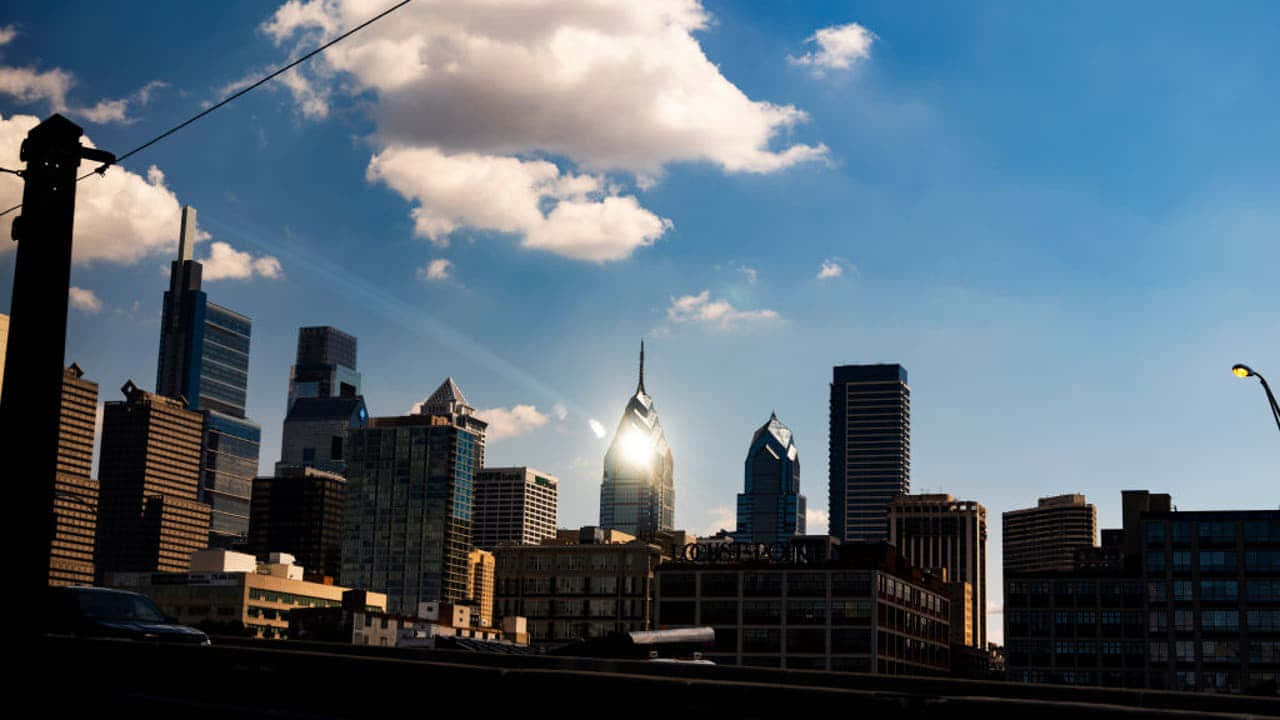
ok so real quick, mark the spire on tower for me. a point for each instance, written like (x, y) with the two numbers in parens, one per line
(640, 387)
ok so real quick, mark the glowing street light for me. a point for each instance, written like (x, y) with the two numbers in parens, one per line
(1244, 371)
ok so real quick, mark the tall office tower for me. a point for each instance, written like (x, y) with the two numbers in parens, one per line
(407, 525)
(4, 346)
(325, 365)
(870, 447)
(1047, 536)
(150, 517)
(772, 508)
(317, 431)
(638, 494)
(938, 532)
(299, 511)
(480, 578)
(75, 506)
(514, 505)
(204, 359)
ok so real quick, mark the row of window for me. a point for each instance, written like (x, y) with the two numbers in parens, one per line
(1211, 531)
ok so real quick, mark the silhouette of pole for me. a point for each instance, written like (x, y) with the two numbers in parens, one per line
(32, 396)
(1244, 371)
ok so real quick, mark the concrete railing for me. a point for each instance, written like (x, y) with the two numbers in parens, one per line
(290, 679)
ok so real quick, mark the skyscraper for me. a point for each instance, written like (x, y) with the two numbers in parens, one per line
(638, 495)
(870, 448)
(1047, 536)
(149, 516)
(75, 504)
(204, 359)
(771, 509)
(407, 525)
(938, 532)
(299, 511)
(325, 365)
(513, 505)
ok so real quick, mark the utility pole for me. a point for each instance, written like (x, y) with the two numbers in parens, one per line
(30, 406)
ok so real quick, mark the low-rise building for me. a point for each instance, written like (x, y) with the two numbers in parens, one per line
(232, 593)
(572, 591)
(810, 604)
(362, 620)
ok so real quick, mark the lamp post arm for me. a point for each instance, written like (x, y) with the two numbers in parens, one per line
(1271, 399)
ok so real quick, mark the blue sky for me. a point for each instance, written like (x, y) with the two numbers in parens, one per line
(1061, 219)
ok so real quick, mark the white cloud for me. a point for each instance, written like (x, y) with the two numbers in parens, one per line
(830, 269)
(507, 194)
(721, 517)
(559, 411)
(480, 93)
(750, 273)
(839, 46)
(27, 85)
(505, 423)
(597, 428)
(7, 34)
(717, 315)
(85, 301)
(227, 263)
(121, 217)
(436, 270)
(815, 521)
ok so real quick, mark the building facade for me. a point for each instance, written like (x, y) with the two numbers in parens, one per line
(853, 608)
(568, 592)
(637, 494)
(204, 359)
(75, 503)
(150, 517)
(870, 449)
(481, 573)
(1195, 605)
(407, 522)
(1047, 536)
(514, 505)
(228, 592)
(771, 508)
(325, 365)
(939, 533)
(317, 432)
(299, 510)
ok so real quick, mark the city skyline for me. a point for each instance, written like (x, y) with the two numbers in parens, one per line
(1071, 334)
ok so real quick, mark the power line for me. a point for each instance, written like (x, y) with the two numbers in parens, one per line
(102, 169)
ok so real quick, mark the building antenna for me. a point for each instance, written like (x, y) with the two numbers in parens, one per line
(640, 387)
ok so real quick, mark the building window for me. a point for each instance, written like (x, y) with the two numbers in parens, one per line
(1182, 561)
(1155, 561)
(1186, 650)
(1157, 592)
(1217, 560)
(1218, 590)
(758, 640)
(1218, 533)
(1154, 531)
(1182, 591)
(761, 612)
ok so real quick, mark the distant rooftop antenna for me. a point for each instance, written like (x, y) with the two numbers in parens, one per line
(187, 239)
(641, 385)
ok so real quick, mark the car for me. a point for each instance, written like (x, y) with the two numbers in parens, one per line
(110, 613)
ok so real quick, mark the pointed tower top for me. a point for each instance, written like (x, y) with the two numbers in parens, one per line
(640, 387)
(187, 238)
(446, 399)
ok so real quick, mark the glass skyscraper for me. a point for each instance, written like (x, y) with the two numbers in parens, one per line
(771, 509)
(638, 493)
(870, 446)
(325, 365)
(204, 359)
(407, 526)
(324, 404)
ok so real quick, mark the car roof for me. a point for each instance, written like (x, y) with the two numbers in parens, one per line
(77, 589)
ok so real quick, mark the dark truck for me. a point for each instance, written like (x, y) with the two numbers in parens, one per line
(107, 613)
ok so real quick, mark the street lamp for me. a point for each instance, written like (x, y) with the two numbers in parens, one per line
(1244, 371)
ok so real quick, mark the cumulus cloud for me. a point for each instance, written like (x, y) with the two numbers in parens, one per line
(597, 428)
(839, 46)
(815, 521)
(85, 301)
(505, 423)
(226, 263)
(717, 315)
(436, 270)
(483, 94)
(830, 269)
(750, 273)
(118, 110)
(121, 217)
(507, 194)
(28, 85)
(559, 411)
(7, 34)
